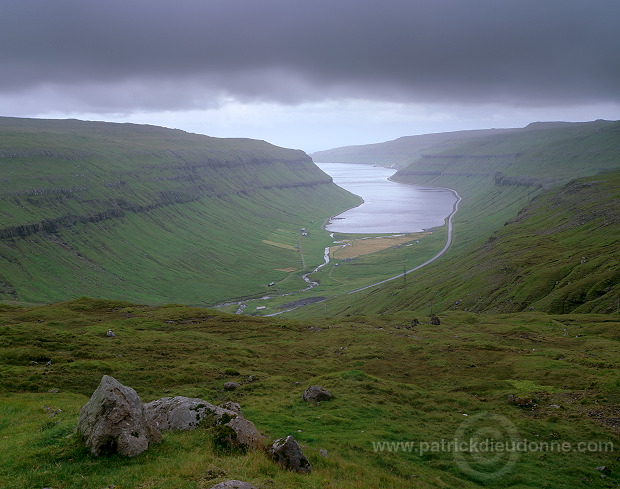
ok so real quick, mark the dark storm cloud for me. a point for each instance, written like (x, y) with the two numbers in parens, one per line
(185, 53)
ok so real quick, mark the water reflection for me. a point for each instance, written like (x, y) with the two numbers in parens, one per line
(389, 207)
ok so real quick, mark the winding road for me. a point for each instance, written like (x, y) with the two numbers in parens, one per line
(455, 208)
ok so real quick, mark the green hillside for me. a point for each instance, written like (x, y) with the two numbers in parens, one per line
(149, 214)
(550, 381)
(510, 337)
(560, 254)
(533, 259)
(499, 175)
(539, 155)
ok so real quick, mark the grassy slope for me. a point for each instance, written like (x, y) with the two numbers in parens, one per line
(150, 214)
(478, 272)
(535, 155)
(401, 151)
(391, 384)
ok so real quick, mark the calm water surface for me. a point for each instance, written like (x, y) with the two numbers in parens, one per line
(389, 207)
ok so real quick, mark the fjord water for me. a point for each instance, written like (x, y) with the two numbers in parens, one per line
(389, 207)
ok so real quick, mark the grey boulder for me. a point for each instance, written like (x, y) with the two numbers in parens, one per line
(232, 406)
(246, 435)
(184, 413)
(316, 393)
(287, 452)
(231, 386)
(114, 421)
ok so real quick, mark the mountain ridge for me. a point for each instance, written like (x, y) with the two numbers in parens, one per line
(406, 150)
(86, 203)
(398, 152)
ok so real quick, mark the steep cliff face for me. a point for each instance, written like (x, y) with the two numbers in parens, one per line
(59, 173)
(64, 184)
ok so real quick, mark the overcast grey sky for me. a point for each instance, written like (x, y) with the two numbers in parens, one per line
(313, 74)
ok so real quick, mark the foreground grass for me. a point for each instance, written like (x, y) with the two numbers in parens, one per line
(392, 383)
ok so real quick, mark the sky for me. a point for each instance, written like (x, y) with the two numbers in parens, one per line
(314, 74)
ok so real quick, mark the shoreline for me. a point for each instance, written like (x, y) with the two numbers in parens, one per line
(326, 221)
(311, 284)
(387, 226)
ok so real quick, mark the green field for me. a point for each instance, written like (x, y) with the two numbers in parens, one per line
(341, 276)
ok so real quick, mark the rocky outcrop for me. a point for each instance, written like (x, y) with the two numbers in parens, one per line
(287, 452)
(316, 393)
(114, 421)
(184, 413)
(522, 181)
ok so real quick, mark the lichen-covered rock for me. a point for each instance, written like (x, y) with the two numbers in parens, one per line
(114, 421)
(316, 393)
(184, 413)
(287, 452)
(233, 484)
(247, 435)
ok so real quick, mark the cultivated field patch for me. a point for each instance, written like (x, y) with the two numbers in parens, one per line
(351, 248)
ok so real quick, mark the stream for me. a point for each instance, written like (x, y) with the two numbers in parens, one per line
(388, 208)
